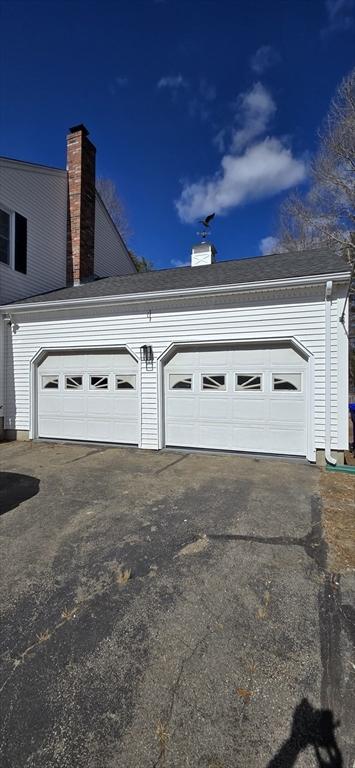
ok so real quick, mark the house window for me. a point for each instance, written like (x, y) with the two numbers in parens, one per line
(99, 382)
(126, 382)
(214, 381)
(73, 382)
(180, 381)
(286, 381)
(248, 381)
(50, 382)
(4, 237)
(13, 240)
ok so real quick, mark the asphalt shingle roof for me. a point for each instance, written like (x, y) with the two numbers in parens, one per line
(272, 267)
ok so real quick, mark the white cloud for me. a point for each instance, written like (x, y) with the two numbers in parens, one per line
(254, 111)
(340, 15)
(268, 245)
(263, 58)
(200, 103)
(251, 167)
(263, 170)
(180, 262)
(117, 83)
(173, 82)
(121, 82)
(207, 90)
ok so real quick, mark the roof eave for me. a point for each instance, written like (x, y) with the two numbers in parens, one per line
(176, 294)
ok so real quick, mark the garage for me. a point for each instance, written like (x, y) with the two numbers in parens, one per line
(88, 396)
(251, 398)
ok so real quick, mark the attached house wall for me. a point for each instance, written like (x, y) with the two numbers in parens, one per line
(111, 256)
(39, 194)
(297, 314)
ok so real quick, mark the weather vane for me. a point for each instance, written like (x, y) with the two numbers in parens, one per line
(206, 224)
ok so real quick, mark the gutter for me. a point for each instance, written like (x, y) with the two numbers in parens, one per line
(174, 294)
(328, 360)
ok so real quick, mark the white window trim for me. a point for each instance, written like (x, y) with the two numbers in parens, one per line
(124, 376)
(214, 389)
(11, 264)
(287, 391)
(50, 376)
(73, 376)
(246, 389)
(181, 376)
(95, 388)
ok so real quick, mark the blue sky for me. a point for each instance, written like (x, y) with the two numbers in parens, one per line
(193, 105)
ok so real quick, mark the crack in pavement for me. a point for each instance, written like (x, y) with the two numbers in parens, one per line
(174, 691)
(171, 464)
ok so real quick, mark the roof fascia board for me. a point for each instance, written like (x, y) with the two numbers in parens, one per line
(177, 294)
(23, 165)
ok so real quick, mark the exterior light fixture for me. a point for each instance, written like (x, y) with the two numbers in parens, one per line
(147, 354)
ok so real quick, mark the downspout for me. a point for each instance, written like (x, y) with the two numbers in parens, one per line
(328, 362)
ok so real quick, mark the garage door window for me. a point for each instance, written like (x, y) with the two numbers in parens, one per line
(286, 381)
(50, 382)
(98, 382)
(180, 381)
(214, 381)
(73, 382)
(248, 381)
(126, 382)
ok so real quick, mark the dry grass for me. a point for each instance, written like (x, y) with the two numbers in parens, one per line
(338, 515)
(43, 636)
(196, 546)
(262, 611)
(244, 694)
(162, 735)
(123, 575)
(67, 614)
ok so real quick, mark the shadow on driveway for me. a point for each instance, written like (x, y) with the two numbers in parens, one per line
(310, 727)
(16, 488)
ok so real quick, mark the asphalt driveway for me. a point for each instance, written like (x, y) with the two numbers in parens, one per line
(169, 610)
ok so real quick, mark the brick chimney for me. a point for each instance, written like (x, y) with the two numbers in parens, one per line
(81, 206)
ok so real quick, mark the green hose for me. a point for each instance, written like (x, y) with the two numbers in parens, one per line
(341, 468)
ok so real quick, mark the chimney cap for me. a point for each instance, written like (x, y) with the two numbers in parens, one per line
(79, 129)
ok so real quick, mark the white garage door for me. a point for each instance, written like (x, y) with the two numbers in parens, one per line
(87, 396)
(247, 399)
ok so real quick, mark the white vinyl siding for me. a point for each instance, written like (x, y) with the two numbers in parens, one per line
(111, 255)
(40, 195)
(292, 314)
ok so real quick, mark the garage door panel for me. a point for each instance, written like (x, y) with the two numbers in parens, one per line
(50, 404)
(289, 411)
(217, 357)
(214, 435)
(249, 358)
(80, 411)
(73, 406)
(238, 417)
(62, 429)
(250, 408)
(124, 407)
(98, 405)
(214, 407)
(285, 356)
(250, 437)
(182, 406)
(182, 433)
(287, 439)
